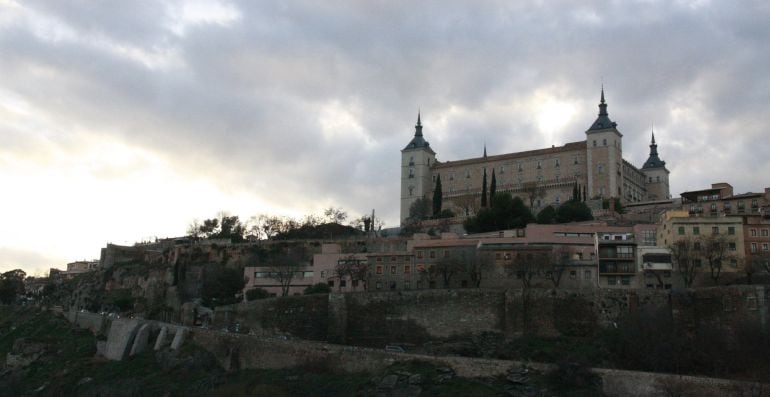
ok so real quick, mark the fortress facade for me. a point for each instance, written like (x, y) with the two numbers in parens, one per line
(540, 177)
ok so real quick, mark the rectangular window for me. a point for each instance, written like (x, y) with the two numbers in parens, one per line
(731, 246)
(731, 230)
(378, 285)
(378, 270)
(715, 230)
(407, 285)
(446, 253)
(392, 270)
(587, 274)
(419, 254)
(392, 285)
(753, 232)
(612, 280)
(764, 232)
(433, 254)
(573, 274)
(331, 283)
(695, 230)
(343, 283)
(765, 247)
(753, 247)
(407, 269)
(681, 230)
(625, 280)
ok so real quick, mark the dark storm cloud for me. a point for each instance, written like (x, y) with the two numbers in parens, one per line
(241, 101)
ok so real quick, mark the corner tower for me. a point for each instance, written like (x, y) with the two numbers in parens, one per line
(416, 159)
(604, 156)
(656, 173)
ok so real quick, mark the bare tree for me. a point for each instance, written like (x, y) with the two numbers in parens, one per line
(468, 204)
(285, 266)
(533, 191)
(478, 265)
(447, 267)
(351, 268)
(715, 253)
(684, 256)
(528, 263)
(558, 261)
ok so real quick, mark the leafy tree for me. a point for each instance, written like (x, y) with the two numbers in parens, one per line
(484, 190)
(335, 215)
(221, 285)
(573, 211)
(437, 197)
(618, 205)
(256, 294)
(11, 285)
(420, 210)
(547, 215)
(505, 212)
(492, 186)
(318, 288)
(224, 227)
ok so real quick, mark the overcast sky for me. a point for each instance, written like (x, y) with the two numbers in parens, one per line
(124, 120)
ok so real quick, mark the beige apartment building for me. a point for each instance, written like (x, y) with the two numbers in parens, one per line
(702, 231)
(546, 176)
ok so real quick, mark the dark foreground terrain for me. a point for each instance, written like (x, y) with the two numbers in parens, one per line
(48, 357)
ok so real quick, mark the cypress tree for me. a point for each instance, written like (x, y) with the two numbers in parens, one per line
(484, 190)
(575, 192)
(438, 196)
(492, 186)
(584, 194)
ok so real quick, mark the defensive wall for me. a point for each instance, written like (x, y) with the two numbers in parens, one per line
(239, 351)
(376, 319)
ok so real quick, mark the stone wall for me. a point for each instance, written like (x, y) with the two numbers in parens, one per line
(235, 351)
(415, 317)
(302, 316)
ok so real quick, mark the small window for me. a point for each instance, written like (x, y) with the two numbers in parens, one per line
(407, 269)
(753, 232)
(539, 164)
(731, 246)
(572, 274)
(594, 142)
(464, 284)
(343, 283)
(731, 230)
(433, 254)
(625, 280)
(715, 230)
(419, 254)
(604, 142)
(392, 270)
(764, 247)
(378, 270)
(681, 230)
(587, 274)
(764, 232)
(378, 285)
(331, 283)
(612, 280)
(557, 164)
(696, 230)
(407, 285)
(392, 285)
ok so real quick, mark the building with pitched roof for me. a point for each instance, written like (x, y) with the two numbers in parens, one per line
(540, 177)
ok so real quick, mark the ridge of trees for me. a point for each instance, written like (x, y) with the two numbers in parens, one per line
(271, 227)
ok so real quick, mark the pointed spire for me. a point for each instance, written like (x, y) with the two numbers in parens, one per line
(603, 121)
(602, 104)
(653, 161)
(418, 127)
(485, 150)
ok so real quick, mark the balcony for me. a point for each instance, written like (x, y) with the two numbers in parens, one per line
(616, 268)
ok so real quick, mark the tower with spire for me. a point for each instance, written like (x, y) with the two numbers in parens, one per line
(416, 161)
(655, 171)
(604, 156)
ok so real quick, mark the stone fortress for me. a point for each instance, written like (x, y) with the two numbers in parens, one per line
(547, 176)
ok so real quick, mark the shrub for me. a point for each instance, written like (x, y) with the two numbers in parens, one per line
(257, 293)
(319, 288)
